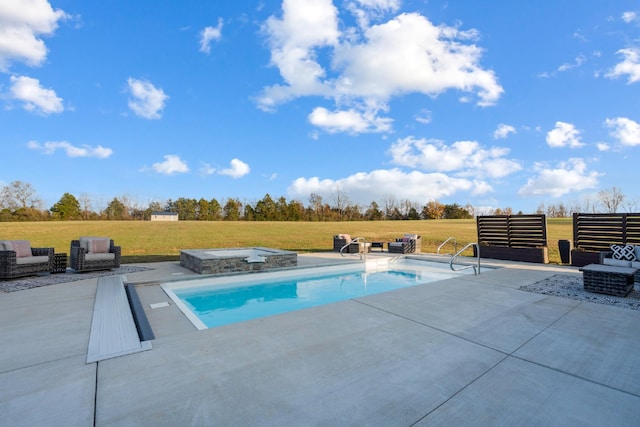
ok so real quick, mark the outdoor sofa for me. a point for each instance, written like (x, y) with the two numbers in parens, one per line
(19, 259)
(94, 253)
(623, 256)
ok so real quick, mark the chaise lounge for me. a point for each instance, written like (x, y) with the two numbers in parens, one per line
(19, 259)
(94, 253)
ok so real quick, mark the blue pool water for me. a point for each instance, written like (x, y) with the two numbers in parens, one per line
(220, 301)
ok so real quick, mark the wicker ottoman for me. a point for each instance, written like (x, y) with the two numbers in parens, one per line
(608, 279)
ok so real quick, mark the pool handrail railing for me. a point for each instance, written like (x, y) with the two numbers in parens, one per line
(454, 257)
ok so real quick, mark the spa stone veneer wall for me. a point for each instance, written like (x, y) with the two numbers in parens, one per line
(220, 265)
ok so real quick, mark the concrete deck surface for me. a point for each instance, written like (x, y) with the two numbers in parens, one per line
(468, 351)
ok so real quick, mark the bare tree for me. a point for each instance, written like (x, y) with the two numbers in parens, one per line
(20, 194)
(85, 203)
(589, 205)
(484, 210)
(574, 208)
(315, 201)
(341, 201)
(471, 209)
(611, 199)
(389, 205)
(631, 205)
(407, 206)
(557, 211)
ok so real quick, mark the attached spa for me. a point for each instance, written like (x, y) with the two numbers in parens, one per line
(217, 261)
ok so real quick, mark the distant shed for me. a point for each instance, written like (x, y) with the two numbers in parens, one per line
(164, 216)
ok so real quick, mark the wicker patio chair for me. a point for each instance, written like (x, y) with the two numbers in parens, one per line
(19, 259)
(341, 240)
(408, 244)
(94, 253)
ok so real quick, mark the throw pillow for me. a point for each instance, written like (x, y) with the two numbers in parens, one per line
(99, 246)
(22, 248)
(624, 252)
(84, 242)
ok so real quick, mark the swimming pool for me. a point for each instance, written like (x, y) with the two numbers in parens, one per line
(212, 302)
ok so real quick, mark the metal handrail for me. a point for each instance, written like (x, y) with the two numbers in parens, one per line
(455, 244)
(476, 268)
(363, 252)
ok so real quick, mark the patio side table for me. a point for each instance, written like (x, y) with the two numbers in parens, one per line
(608, 279)
(379, 245)
(59, 263)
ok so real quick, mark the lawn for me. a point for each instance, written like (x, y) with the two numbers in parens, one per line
(144, 241)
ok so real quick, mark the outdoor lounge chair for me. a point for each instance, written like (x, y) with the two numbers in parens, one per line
(341, 240)
(19, 259)
(94, 253)
(408, 244)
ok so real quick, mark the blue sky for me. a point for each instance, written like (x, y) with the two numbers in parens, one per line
(493, 104)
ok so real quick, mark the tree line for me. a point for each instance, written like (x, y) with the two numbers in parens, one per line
(19, 202)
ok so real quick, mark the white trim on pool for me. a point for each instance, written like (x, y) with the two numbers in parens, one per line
(417, 272)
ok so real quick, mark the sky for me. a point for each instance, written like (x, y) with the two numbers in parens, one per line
(495, 104)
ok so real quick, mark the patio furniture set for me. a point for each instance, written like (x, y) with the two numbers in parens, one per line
(409, 243)
(19, 259)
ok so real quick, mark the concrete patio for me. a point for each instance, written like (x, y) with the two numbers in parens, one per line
(468, 351)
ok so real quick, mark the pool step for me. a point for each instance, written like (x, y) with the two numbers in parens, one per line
(113, 328)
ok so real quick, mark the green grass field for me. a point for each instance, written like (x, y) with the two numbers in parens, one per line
(144, 241)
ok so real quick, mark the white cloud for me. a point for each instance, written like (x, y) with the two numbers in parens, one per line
(71, 150)
(630, 66)
(365, 187)
(304, 26)
(410, 55)
(578, 62)
(567, 177)
(373, 64)
(465, 158)
(237, 169)
(625, 130)
(366, 10)
(207, 169)
(22, 23)
(35, 98)
(350, 121)
(424, 117)
(564, 135)
(630, 16)
(503, 131)
(602, 146)
(210, 34)
(146, 100)
(172, 164)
